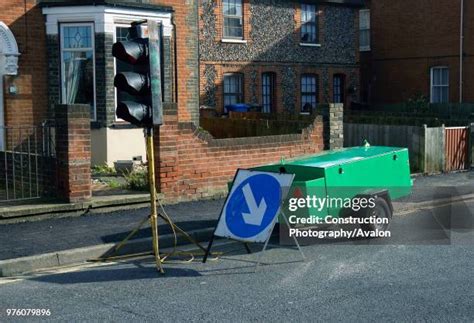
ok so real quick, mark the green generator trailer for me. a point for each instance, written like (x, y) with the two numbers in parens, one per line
(381, 174)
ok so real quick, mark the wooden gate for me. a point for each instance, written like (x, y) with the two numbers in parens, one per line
(456, 148)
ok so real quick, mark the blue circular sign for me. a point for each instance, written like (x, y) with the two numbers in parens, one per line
(253, 205)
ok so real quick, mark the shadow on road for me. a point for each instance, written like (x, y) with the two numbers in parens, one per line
(104, 274)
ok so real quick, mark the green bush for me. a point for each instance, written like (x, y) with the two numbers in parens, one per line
(137, 180)
(104, 169)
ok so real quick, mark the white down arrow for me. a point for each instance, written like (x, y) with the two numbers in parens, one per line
(256, 212)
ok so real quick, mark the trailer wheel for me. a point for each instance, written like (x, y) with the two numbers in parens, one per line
(381, 211)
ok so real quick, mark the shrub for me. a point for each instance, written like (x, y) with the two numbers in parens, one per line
(137, 179)
(104, 169)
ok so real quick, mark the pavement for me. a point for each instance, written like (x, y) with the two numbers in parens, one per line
(56, 242)
(30, 210)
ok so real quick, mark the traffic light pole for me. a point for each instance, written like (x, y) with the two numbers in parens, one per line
(153, 197)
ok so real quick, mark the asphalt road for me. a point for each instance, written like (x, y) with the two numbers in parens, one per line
(425, 272)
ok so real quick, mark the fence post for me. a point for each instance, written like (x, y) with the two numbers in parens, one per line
(424, 157)
(471, 144)
(73, 151)
(443, 148)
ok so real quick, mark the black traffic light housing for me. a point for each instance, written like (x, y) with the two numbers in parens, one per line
(144, 83)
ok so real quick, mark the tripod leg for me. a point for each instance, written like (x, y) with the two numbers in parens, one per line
(130, 235)
(184, 233)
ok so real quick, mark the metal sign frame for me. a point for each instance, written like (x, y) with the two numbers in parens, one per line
(271, 226)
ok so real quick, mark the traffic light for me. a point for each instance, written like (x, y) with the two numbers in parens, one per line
(144, 82)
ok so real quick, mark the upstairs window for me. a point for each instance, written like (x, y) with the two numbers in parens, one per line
(439, 84)
(309, 93)
(364, 30)
(309, 24)
(233, 19)
(78, 65)
(233, 89)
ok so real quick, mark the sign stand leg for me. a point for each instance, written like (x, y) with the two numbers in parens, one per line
(263, 250)
(294, 238)
(266, 243)
(208, 250)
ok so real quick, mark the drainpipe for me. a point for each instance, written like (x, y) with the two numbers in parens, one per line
(461, 50)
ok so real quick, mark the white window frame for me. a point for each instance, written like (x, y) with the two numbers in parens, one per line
(364, 27)
(432, 85)
(230, 38)
(61, 41)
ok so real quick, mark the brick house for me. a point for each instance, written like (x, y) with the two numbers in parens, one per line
(286, 56)
(413, 48)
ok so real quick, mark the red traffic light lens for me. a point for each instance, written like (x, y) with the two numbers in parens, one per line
(132, 52)
(136, 113)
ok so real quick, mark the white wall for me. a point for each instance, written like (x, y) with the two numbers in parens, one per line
(110, 144)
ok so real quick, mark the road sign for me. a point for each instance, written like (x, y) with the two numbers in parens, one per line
(252, 205)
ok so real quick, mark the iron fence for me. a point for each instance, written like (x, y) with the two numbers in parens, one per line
(27, 161)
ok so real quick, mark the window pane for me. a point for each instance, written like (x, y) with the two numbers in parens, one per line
(232, 10)
(444, 76)
(436, 76)
(364, 19)
(308, 93)
(436, 95)
(364, 38)
(122, 33)
(309, 24)
(233, 89)
(77, 37)
(79, 78)
(444, 94)
(233, 27)
(268, 81)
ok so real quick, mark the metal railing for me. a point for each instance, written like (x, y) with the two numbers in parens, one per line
(27, 161)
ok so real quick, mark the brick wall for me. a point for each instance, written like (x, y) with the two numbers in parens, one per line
(29, 105)
(193, 165)
(410, 37)
(73, 152)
